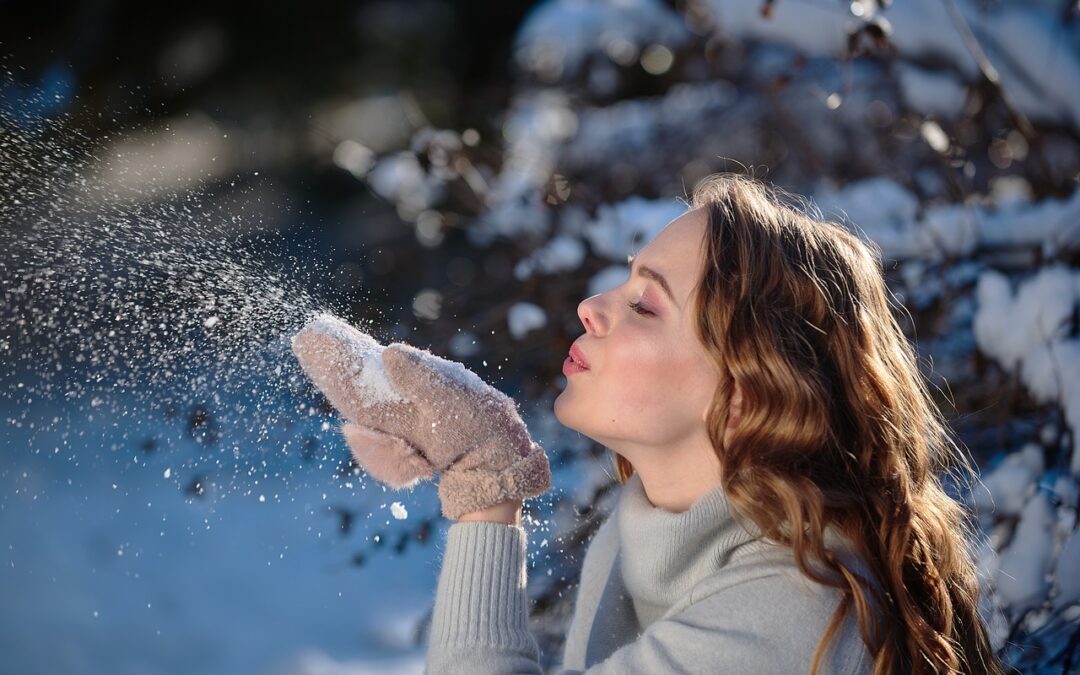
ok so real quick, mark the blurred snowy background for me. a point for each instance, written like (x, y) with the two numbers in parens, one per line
(182, 186)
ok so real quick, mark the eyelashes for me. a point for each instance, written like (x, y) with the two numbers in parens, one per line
(637, 307)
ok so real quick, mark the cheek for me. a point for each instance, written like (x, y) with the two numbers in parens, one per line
(657, 375)
(651, 387)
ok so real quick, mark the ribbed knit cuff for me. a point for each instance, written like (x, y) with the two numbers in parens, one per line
(481, 599)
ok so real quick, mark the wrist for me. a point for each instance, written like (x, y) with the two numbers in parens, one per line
(507, 512)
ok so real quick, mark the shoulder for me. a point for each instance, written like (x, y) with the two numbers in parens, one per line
(763, 595)
(774, 609)
(765, 567)
(755, 619)
(760, 570)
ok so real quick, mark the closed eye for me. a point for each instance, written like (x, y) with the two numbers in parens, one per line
(637, 307)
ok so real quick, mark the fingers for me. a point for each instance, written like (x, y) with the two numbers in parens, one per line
(344, 364)
(417, 371)
(456, 410)
(389, 459)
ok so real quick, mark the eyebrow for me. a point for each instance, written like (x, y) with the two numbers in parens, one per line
(650, 273)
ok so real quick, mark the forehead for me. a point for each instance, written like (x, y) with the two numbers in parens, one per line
(676, 251)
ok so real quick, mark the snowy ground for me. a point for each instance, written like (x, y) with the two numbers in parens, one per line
(138, 576)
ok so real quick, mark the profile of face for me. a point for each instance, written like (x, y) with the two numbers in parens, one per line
(649, 381)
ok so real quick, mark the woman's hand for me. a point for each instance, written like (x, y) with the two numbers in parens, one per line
(413, 414)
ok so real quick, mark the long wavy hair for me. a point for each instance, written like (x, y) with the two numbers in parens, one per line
(837, 427)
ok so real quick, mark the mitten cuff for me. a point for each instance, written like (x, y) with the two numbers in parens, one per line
(463, 491)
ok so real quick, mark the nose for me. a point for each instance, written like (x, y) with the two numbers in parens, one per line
(591, 317)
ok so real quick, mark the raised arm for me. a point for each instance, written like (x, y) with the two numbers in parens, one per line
(412, 415)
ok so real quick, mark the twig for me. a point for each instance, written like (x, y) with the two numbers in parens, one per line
(988, 70)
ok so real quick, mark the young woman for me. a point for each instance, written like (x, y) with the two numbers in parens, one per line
(781, 509)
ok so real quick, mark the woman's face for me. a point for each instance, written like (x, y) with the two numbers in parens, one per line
(649, 380)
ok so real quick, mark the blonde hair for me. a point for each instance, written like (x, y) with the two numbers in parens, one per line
(838, 426)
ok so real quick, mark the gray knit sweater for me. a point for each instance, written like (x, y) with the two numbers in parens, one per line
(660, 592)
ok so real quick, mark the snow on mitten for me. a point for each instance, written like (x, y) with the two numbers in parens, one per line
(412, 414)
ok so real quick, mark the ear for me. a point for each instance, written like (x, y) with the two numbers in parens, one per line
(735, 408)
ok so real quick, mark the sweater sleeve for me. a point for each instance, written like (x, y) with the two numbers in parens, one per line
(480, 623)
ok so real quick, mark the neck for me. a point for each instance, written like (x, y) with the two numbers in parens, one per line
(676, 478)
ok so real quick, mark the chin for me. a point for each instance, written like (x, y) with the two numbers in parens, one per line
(555, 408)
(562, 412)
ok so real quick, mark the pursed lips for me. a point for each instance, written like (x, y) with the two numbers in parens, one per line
(578, 357)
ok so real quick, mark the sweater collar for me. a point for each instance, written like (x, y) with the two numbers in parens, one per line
(664, 554)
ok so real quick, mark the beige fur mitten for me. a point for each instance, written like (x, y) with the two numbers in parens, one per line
(413, 414)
